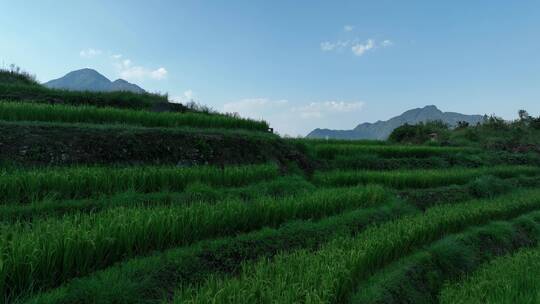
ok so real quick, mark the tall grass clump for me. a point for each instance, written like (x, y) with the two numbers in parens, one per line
(17, 111)
(330, 274)
(83, 182)
(401, 179)
(48, 252)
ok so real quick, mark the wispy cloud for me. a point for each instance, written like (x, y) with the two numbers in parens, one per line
(348, 28)
(387, 43)
(328, 46)
(90, 53)
(321, 109)
(359, 49)
(356, 46)
(127, 70)
(186, 97)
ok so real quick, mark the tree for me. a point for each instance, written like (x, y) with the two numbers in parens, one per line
(523, 115)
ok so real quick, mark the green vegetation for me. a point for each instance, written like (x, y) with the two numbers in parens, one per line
(416, 178)
(330, 274)
(508, 279)
(49, 252)
(419, 278)
(224, 256)
(81, 182)
(522, 134)
(15, 111)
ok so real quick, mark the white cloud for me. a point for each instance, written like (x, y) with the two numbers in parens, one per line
(255, 108)
(348, 28)
(186, 97)
(128, 70)
(297, 119)
(321, 109)
(359, 49)
(387, 43)
(328, 46)
(90, 53)
(159, 74)
(189, 94)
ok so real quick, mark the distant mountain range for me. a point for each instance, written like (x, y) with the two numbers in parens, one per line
(91, 80)
(382, 129)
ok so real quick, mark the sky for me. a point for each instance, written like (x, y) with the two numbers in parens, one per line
(300, 64)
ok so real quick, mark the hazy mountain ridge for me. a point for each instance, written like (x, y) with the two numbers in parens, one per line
(382, 129)
(91, 80)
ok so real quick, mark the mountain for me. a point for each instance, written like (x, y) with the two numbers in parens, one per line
(382, 129)
(91, 80)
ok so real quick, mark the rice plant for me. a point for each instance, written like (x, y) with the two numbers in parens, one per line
(17, 111)
(194, 264)
(330, 274)
(401, 179)
(48, 252)
(82, 182)
(508, 279)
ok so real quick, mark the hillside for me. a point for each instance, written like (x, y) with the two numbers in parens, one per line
(91, 80)
(381, 129)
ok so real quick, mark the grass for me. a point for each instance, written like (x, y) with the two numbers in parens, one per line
(193, 193)
(126, 100)
(17, 111)
(131, 281)
(417, 178)
(82, 182)
(49, 252)
(508, 279)
(420, 277)
(330, 274)
(329, 151)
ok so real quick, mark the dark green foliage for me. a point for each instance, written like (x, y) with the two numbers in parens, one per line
(482, 187)
(44, 144)
(489, 186)
(17, 77)
(421, 133)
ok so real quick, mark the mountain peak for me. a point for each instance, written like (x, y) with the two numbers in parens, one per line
(91, 80)
(382, 129)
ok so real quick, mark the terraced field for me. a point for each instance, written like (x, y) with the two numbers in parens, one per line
(247, 217)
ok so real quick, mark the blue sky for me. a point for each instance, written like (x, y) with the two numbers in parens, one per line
(298, 64)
